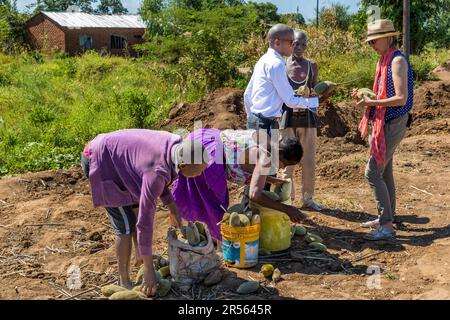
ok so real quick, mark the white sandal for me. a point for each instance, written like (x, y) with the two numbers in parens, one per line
(310, 204)
(380, 234)
(371, 224)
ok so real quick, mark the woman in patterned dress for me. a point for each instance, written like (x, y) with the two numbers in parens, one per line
(241, 157)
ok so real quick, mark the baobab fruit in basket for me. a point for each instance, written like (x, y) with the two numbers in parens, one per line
(248, 287)
(110, 289)
(244, 220)
(226, 218)
(235, 220)
(201, 228)
(256, 219)
(128, 295)
(192, 234)
(285, 191)
(213, 278)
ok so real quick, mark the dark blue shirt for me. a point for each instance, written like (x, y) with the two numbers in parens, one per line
(396, 112)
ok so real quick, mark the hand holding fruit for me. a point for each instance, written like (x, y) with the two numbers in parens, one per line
(364, 97)
(150, 284)
(364, 102)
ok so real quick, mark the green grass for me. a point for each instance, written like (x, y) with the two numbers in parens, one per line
(50, 106)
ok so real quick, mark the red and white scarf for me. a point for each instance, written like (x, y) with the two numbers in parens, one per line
(377, 142)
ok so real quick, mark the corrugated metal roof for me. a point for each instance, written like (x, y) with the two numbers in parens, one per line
(85, 20)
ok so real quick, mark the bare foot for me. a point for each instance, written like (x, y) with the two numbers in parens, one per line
(127, 284)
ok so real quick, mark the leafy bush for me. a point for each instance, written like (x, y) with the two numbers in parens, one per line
(204, 43)
(138, 105)
(93, 67)
(426, 62)
(12, 28)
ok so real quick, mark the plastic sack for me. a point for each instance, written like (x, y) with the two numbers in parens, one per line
(188, 264)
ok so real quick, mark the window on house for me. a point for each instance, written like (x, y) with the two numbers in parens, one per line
(118, 42)
(138, 36)
(85, 42)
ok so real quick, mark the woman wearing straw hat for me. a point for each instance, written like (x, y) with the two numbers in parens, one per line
(389, 117)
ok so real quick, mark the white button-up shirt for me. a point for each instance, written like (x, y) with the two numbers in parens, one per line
(269, 88)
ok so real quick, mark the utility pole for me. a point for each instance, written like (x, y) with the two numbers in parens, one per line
(317, 14)
(406, 27)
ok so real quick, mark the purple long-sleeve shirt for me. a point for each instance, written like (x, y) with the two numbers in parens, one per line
(133, 166)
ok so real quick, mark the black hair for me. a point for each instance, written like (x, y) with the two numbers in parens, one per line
(291, 151)
(300, 33)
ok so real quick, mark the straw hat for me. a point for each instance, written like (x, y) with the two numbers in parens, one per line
(380, 29)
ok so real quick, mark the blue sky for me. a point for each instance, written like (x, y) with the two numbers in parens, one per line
(307, 7)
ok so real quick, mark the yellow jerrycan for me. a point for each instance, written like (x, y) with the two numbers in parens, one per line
(275, 233)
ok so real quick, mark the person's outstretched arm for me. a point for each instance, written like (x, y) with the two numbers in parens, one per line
(153, 186)
(257, 184)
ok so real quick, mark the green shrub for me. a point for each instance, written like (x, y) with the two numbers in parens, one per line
(94, 67)
(41, 114)
(424, 63)
(5, 79)
(138, 106)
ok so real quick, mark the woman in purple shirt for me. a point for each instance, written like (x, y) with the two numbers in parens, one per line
(131, 169)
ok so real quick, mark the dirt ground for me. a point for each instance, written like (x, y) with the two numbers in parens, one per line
(48, 223)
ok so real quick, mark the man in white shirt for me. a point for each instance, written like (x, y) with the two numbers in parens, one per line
(269, 87)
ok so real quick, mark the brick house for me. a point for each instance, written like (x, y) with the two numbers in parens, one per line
(76, 32)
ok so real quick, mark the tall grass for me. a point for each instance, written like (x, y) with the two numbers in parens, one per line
(50, 106)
